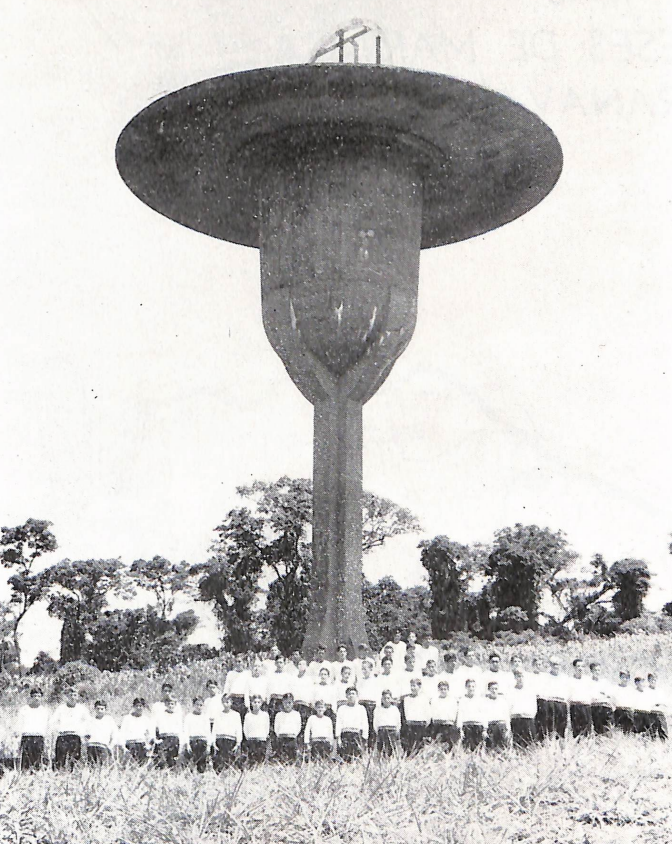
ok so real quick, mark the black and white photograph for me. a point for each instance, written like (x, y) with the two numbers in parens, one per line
(335, 417)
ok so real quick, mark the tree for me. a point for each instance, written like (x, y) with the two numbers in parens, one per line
(389, 608)
(382, 519)
(139, 638)
(78, 593)
(449, 570)
(631, 580)
(163, 578)
(286, 508)
(21, 547)
(523, 561)
(230, 579)
(272, 538)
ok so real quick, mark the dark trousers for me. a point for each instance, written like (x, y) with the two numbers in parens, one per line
(602, 717)
(413, 736)
(581, 717)
(305, 712)
(138, 751)
(238, 704)
(472, 736)
(197, 753)
(523, 731)
(387, 741)
(624, 720)
(68, 751)
(369, 705)
(167, 751)
(652, 724)
(446, 734)
(255, 751)
(97, 754)
(320, 749)
(558, 716)
(286, 748)
(31, 752)
(497, 736)
(224, 753)
(351, 746)
(543, 718)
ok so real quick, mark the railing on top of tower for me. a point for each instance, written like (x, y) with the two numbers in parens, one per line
(351, 35)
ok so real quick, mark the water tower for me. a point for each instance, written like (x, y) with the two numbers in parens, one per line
(339, 173)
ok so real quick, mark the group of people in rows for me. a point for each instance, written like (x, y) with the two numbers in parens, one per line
(394, 702)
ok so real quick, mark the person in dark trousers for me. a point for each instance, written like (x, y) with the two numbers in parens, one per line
(32, 728)
(198, 734)
(580, 701)
(227, 731)
(70, 725)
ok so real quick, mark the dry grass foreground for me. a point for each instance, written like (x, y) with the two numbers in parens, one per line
(613, 790)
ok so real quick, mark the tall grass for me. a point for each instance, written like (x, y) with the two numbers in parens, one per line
(609, 790)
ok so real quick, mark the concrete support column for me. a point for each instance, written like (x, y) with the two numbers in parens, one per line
(337, 612)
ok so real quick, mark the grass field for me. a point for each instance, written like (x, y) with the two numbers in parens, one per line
(609, 790)
(602, 791)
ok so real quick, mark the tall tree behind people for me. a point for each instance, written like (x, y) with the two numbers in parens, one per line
(631, 580)
(523, 561)
(273, 537)
(78, 592)
(229, 580)
(450, 569)
(20, 548)
(163, 578)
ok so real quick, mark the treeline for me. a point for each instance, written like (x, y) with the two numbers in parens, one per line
(257, 578)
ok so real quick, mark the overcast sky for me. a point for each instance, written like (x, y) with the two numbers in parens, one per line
(137, 388)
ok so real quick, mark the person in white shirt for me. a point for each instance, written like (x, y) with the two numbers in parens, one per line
(318, 662)
(410, 672)
(387, 725)
(444, 716)
(580, 699)
(257, 682)
(416, 717)
(198, 734)
(137, 732)
(498, 716)
(448, 663)
(642, 707)
(494, 672)
(398, 649)
(553, 688)
(352, 727)
(69, 725)
(367, 694)
(343, 683)
(523, 704)
(31, 726)
(388, 653)
(268, 665)
(278, 684)
(469, 670)
(601, 705)
(302, 689)
(287, 729)
(169, 733)
(340, 661)
(102, 735)
(363, 653)
(213, 700)
(318, 736)
(430, 679)
(292, 664)
(623, 703)
(324, 690)
(166, 694)
(227, 732)
(236, 684)
(256, 732)
(424, 652)
(388, 680)
(471, 719)
(659, 720)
